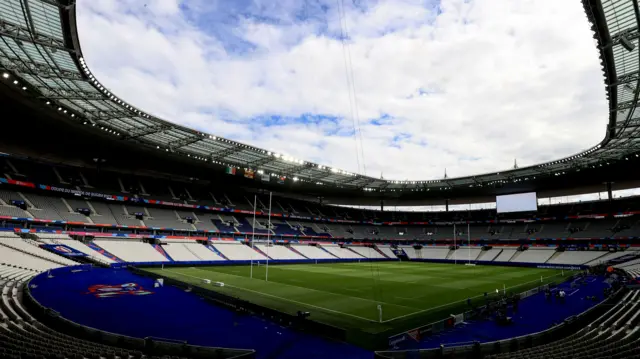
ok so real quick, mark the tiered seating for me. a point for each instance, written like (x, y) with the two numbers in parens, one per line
(282, 227)
(535, 255)
(22, 336)
(188, 250)
(615, 335)
(203, 252)
(7, 209)
(40, 207)
(102, 214)
(436, 253)
(11, 211)
(81, 247)
(312, 252)
(609, 256)
(505, 255)
(411, 252)
(52, 208)
(122, 217)
(575, 257)
(164, 218)
(12, 257)
(14, 242)
(490, 255)
(205, 222)
(278, 252)
(179, 252)
(386, 250)
(340, 252)
(465, 253)
(131, 250)
(14, 273)
(367, 252)
(238, 251)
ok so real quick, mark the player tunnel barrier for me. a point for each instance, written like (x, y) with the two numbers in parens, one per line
(477, 350)
(149, 346)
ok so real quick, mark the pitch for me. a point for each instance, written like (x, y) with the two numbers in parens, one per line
(347, 295)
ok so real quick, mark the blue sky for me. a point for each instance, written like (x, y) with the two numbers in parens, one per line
(415, 87)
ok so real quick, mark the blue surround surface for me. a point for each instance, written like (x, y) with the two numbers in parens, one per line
(171, 313)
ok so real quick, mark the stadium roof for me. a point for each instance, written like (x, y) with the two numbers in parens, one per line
(40, 53)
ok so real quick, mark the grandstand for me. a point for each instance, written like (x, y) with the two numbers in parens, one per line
(100, 200)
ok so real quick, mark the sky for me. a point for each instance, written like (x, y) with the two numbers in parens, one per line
(402, 89)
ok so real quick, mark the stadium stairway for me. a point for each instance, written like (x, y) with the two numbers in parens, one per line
(161, 250)
(296, 251)
(216, 251)
(100, 250)
(324, 249)
(171, 313)
(257, 250)
(526, 320)
(381, 253)
(515, 256)
(553, 256)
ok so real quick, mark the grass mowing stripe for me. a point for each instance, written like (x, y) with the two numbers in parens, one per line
(324, 291)
(341, 295)
(285, 299)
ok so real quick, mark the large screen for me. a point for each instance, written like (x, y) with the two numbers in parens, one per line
(521, 202)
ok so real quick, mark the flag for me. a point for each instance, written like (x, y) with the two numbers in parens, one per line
(248, 173)
(281, 180)
(231, 170)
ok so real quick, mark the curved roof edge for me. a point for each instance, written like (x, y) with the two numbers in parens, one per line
(67, 83)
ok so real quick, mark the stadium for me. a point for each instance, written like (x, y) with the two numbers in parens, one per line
(123, 235)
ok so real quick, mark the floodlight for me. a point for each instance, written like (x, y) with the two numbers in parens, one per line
(5, 75)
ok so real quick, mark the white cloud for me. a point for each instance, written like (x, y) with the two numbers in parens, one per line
(463, 85)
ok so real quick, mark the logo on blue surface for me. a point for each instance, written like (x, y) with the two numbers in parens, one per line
(108, 291)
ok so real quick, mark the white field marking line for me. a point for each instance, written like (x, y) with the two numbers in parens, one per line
(285, 299)
(460, 301)
(409, 298)
(574, 292)
(322, 291)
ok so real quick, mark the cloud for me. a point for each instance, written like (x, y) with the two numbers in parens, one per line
(458, 84)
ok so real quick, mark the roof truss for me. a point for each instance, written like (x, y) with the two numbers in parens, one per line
(174, 145)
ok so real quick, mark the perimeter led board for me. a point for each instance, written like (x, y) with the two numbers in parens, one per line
(521, 202)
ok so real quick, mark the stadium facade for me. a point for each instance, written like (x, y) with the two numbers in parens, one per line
(91, 185)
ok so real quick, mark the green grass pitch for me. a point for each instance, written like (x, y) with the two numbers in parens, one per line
(347, 295)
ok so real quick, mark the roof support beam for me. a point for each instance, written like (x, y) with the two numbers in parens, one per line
(62, 94)
(290, 171)
(366, 183)
(38, 70)
(634, 122)
(174, 145)
(627, 78)
(21, 34)
(217, 156)
(144, 131)
(102, 116)
(349, 179)
(629, 34)
(261, 162)
(625, 105)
